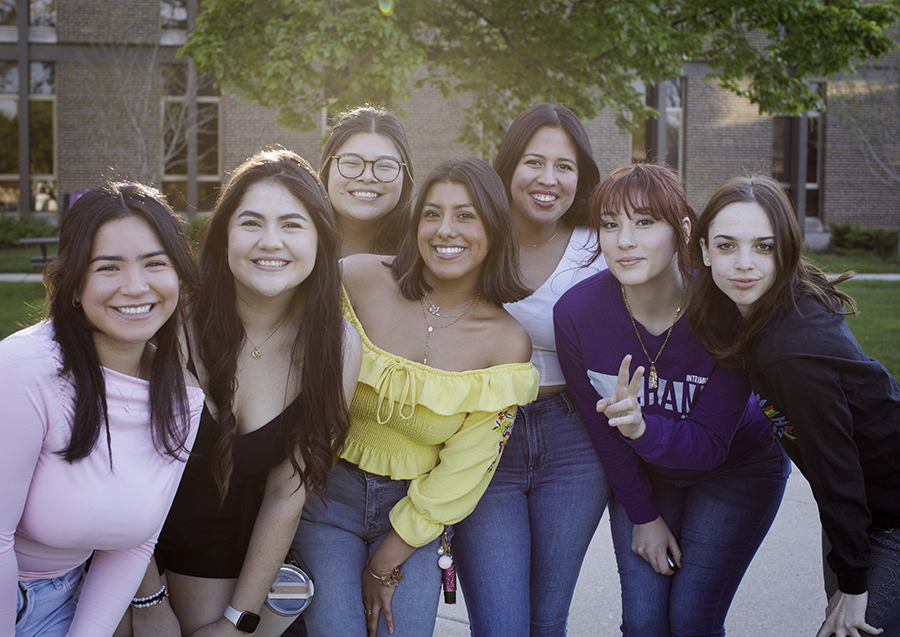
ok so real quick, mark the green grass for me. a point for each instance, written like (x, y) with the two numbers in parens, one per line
(877, 326)
(21, 304)
(861, 261)
(18, 259)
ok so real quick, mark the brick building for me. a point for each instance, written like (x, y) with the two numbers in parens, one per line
(107, 96)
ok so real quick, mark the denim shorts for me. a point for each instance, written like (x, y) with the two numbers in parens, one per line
(45, 607)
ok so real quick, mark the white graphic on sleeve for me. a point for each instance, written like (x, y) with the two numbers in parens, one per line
(676, 396)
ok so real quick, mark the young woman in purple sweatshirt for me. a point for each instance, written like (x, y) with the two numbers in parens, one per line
(696, 476)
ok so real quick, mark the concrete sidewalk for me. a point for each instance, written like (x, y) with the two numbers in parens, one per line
(781, 594)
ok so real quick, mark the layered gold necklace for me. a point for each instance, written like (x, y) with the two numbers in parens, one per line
(434, 310)
(653, 381)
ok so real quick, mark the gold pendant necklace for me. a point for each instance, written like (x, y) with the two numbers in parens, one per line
(538, 245)
(455, 320)
(653, 381)
(256, 354)
(436, 309)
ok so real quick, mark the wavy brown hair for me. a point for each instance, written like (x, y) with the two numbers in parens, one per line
(375, 119)
(520, 133)
(713, 316)
(500, 281)
(317, 351)
(65, 280)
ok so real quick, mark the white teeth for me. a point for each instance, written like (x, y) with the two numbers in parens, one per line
(544, 198)
(364, 194)
(140, 309)
(268, 263)
(448, 250)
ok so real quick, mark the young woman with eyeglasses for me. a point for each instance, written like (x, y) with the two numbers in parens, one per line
(836, 411)
(521, 550)
(367, 169)
(696, 475)
(444, 367)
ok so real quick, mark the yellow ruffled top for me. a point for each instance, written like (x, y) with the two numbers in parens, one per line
(443, 431)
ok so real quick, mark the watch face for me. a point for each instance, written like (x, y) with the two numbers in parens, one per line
(248, 622)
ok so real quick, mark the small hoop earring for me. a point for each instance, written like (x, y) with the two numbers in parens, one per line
(76, 303)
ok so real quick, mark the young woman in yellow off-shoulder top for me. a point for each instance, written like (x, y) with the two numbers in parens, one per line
(444, 368)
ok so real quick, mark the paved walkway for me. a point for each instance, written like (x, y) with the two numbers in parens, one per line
(781, 594)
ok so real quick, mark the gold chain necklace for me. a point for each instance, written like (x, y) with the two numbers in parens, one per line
(256, 354)
(653, 383)
(436, 309)
(431, 327)
(538, 245)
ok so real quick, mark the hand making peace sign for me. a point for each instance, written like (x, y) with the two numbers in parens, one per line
(623, 409)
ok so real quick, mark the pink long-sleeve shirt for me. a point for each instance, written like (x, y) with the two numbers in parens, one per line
(54, 515)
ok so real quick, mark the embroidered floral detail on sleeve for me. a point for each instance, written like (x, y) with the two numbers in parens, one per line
(504, 425)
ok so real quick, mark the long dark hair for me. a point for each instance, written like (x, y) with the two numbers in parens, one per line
(520, 133)
(500, 281)
(654, 188)
(713, 316)
(375, 119)
(65, 280)
(317, 350)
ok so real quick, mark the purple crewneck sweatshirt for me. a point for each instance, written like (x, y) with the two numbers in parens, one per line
(701, 419)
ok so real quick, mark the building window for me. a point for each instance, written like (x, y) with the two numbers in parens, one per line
(173, 14)
(180, 134)
(42, 13)
(9, 132)
(41, 137)
(661, 139)
(785, 160)
(8, 14)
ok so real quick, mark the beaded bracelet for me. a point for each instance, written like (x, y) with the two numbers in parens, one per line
(150, 600)
(389, 580)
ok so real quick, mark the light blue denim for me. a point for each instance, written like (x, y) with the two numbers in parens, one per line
(719, 524)
(883, 579)
(45, 607)
(520, 552)
(334, 541)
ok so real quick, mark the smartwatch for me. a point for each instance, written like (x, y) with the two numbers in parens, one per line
(244, 621)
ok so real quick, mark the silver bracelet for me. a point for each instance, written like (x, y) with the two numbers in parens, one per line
(150, 600)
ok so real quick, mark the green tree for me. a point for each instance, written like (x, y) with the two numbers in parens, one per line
(302, 55)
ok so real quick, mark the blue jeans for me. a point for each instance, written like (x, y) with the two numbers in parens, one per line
(45, 607)
(883, 579)
(334, 542)
(519, 553)
(719, 524)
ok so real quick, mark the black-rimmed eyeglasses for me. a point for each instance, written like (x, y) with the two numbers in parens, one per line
(384, 169)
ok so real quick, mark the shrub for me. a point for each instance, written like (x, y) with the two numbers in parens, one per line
(13, 229)
(844, 237)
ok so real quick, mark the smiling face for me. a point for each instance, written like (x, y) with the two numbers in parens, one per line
(451, 236)
(364, 199)
(638, 248)
(545, 180)
(271, 242)
(741, 253)
(131, 287)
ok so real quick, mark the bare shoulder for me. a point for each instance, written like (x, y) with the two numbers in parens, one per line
(363, 271)
(513, 345)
